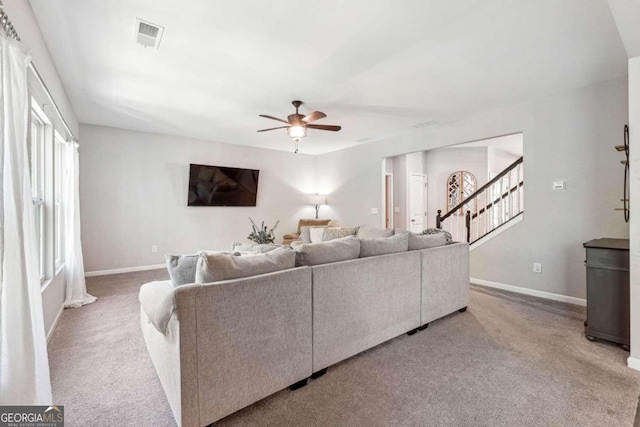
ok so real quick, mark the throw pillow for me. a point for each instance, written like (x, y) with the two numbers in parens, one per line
(214, 267)
(156, 299)
(425, 241)
(254, 248)
(371, 231)
(342, 249)
(315, 233)
(182, 268)
(373, 246)
(448, 236)
(337, 233)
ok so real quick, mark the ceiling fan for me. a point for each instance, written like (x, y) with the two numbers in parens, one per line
(297, 124)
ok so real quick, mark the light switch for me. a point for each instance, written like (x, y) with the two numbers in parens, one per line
(558, 185)
(396, 209)
(374, 211)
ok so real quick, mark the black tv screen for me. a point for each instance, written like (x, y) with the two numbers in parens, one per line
(220, 186)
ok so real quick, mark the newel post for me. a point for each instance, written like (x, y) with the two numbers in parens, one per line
(468, 223)
(438, 219)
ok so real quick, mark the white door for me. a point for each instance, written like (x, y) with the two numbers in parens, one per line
(417, 202)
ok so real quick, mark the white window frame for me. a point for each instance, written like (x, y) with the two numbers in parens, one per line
(38, 172)
(59, 171)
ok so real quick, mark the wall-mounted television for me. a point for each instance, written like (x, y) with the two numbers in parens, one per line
(222, 186)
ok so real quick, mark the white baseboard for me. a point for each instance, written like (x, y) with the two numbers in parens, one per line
(633, 363)
(532, 292)
(123, 270)
(55, 323)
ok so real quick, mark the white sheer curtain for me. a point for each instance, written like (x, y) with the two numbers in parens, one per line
(76, 295)
(24, 365)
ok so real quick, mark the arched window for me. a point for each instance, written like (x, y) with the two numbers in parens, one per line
(460, 186)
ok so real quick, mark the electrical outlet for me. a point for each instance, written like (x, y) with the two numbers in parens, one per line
(154, 248)
(537, 267)
(374, 211)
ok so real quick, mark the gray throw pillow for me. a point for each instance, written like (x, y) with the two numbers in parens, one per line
(214, 267)
(371, 231)
(342, 249)
(337, 233)
(425, 241)
(182, 268)
(373, 246)
(254, 248)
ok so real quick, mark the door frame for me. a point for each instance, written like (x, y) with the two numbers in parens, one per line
(384, 200)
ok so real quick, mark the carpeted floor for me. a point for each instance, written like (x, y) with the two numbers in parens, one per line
(509, 360)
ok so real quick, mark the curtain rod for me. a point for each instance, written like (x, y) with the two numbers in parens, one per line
(11, 32)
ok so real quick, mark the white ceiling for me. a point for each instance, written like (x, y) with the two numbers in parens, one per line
(375, 67)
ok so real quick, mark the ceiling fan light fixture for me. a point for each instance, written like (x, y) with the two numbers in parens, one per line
(297, 132)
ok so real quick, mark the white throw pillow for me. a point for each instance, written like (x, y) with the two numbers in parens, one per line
(316, 233)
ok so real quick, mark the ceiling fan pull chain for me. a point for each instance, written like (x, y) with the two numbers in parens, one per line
(296, 142)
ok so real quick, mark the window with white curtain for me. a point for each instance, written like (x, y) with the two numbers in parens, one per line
(59, 172)
(37, 164)
(46, 160)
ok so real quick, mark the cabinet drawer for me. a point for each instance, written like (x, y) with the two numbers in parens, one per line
(608, 258)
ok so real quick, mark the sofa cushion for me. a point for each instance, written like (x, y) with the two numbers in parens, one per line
(213, 267)
(331, 233)
(156, 299)
(254, 248)
(342, 249)
(371, 231)
(425, 241)
(182, 268)
(372, 246)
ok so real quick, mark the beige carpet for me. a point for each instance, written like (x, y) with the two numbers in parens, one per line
(509, 360)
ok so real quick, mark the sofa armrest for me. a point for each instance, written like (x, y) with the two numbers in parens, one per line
(253, 338)
(292, 236)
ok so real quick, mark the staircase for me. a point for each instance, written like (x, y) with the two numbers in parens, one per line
(491, 209)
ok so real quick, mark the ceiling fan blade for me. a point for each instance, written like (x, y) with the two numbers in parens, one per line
(281, 127)
(316, 115)
(325, 127)
(273, 118)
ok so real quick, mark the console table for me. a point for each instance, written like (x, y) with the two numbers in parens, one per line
(608, 290)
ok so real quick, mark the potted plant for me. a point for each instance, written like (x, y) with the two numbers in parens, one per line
(261, 234)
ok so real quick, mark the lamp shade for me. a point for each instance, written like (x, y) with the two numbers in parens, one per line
(317, 199)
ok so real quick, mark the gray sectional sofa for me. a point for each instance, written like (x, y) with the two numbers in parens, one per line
(219, 347)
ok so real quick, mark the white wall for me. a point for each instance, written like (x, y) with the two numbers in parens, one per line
(498, 160)
(133, 194)
(634, 199)
(568, 137)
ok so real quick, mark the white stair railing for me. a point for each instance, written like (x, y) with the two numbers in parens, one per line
(493, 205)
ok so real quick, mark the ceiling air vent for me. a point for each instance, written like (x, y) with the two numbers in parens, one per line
(148, 34)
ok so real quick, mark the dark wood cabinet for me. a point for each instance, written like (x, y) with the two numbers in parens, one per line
(608, 290)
